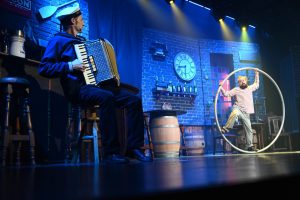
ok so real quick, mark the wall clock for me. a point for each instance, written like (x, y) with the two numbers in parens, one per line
(184, 66)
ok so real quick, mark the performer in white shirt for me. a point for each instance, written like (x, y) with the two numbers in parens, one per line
(243, 107)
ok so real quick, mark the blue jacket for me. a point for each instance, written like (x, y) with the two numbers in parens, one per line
(54, 64)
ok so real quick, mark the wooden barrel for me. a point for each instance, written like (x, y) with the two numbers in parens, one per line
(165, 135)
(194, 144)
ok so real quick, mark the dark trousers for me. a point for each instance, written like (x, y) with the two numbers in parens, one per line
(109, 100)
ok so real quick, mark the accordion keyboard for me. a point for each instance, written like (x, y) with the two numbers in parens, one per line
(88, 63)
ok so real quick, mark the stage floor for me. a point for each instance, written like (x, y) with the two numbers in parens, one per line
(174, 178)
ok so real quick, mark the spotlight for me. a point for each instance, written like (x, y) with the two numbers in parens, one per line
(218, 15)
(244, 24)
(170, 1)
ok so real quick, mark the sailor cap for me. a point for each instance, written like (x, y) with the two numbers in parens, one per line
(69, 12)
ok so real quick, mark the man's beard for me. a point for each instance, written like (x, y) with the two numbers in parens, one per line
(244, 86)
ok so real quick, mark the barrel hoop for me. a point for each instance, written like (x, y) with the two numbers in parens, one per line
(165, 126)
(170, 154)
(167, 142)
(165, 117)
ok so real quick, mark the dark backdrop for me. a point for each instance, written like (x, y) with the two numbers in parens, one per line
(122, 23)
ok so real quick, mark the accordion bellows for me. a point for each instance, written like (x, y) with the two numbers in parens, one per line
(98, 57)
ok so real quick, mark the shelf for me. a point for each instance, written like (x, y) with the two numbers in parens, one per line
(12, 58)
(159, 93)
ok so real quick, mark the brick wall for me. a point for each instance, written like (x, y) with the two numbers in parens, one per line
(43, 29)
(200, 111)
(50, 137)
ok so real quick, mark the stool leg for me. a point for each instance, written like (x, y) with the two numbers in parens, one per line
(69, 132)
(19, 144)
(214, 143)
(290, 143)
(29, 129)
(77, 134)
(6, 124)
(100, 142)
(95, 143)
(96, 135)
(83, 146)
(149, 136)
(224, 146)
(184, 151)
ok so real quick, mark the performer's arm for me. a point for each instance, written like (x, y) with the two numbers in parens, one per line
(52, 67)
(255, 85)
(256, 77)
(222, 89)
(225, 93)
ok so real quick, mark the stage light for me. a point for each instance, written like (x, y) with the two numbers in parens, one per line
(218, 15)
(229, 17)
(198, 5)
(242, 24)
(252, 26)
(170, 1)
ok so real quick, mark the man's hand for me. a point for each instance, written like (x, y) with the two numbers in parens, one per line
(76, 65)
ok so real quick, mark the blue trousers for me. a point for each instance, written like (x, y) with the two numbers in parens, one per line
(109, 100)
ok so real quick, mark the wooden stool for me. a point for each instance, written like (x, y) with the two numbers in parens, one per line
(82, 131)
(16, 92)
(147, 128)
(230, 136)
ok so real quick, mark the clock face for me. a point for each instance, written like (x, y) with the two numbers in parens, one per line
(184, 66)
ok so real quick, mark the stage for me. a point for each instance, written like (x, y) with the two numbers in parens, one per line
(250, 175)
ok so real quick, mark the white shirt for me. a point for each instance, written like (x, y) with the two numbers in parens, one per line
(243, 97)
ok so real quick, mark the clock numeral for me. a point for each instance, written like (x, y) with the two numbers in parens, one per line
(182, 73)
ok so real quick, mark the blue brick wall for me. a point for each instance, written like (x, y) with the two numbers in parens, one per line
(200, 111)
(164, 71)
(43, 30)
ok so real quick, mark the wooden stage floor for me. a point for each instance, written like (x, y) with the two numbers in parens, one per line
(251, 175)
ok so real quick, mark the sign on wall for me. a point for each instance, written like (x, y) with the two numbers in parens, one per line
(22, 7)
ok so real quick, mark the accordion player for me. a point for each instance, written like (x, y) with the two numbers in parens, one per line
(99, 61)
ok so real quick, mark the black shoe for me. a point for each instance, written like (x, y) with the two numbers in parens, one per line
(116, 158)
(252, 149)
(139, 155)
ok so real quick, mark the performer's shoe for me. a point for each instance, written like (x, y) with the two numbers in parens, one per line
(252, 148)
(224, 130)
(116, 158)
(139, 155)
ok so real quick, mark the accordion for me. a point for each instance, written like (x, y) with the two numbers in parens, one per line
(98, 57)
